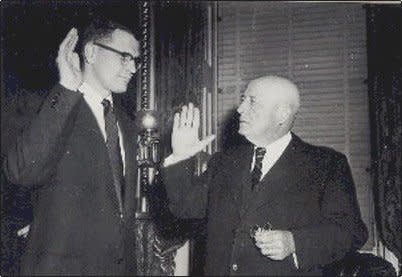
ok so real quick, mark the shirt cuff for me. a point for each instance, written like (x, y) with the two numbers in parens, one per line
(171, 160)
(295, 261)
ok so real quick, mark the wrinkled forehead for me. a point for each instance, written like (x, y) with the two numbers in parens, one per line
(270, 92)
(125, 42)
(260, 89)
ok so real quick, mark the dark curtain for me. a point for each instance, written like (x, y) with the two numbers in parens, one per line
(179, 58)
(384, 42)
(180, 73)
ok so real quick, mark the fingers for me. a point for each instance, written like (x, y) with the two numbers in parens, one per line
(262, 240)
(189, 116)
(275, 244)
(72, 57)
(73, 40)
(272, 250)
(183, 117)
(269, 235)
(265, 236)
(65, 54)
(75, 61)
(71, 35)
(268, 245)
(176, 121)
(196, 118)
(267, 239)
(274, 254)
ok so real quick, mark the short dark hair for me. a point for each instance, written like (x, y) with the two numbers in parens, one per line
(99, 29)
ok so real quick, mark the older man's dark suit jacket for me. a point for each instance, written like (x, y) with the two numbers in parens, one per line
(62, 156)
(309, 191)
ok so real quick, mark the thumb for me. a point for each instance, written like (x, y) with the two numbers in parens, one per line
(76, 62)
(207, 141)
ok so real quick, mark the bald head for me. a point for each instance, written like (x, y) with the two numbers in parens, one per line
(278, 89)
(268, 109)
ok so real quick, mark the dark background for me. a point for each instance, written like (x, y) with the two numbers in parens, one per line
(32, 32)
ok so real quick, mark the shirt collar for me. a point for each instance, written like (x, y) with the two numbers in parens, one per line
(279, 144)
(92, 95)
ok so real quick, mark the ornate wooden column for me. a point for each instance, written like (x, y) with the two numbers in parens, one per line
(154, 254)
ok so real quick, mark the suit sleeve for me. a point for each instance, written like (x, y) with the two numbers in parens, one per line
(340, 228)
(32, 157)
(188, 194)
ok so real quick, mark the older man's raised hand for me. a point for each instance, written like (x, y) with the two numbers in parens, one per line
(185, 138)
(68, 62)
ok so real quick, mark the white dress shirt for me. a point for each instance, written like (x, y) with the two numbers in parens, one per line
(94, 101)
(273, 153)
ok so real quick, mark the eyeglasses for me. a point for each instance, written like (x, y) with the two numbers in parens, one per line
(126, 58)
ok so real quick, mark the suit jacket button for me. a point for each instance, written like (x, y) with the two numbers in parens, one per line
(54, 101)
(235, 267)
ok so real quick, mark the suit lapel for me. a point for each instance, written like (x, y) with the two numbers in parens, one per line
(282, 176)
(88, 125)
(241, 171)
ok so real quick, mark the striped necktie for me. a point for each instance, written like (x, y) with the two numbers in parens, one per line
(257, 170)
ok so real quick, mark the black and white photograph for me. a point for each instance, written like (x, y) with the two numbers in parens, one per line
(201, 138)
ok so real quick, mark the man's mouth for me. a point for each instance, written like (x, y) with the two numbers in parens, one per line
(126, 78)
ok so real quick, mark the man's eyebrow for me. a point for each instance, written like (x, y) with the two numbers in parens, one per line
(128, 54)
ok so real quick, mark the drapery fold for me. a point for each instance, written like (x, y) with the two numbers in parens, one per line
(384, 44)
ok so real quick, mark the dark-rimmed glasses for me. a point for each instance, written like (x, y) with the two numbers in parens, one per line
(126, 58)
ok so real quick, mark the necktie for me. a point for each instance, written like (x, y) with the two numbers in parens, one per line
(256, 173)
(113, 147)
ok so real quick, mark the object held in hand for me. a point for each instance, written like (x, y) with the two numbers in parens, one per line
(258, 230)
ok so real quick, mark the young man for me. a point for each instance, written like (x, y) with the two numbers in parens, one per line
(79, 157)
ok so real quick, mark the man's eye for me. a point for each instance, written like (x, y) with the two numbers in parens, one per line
(138, 60)
(126, 58)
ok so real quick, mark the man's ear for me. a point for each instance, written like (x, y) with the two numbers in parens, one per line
(284, 112)
(90, 51)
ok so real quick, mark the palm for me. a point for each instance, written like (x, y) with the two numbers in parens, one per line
(68, 62)
(185, 139)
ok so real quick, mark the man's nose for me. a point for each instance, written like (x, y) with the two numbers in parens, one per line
(132, 66)
(240, 108)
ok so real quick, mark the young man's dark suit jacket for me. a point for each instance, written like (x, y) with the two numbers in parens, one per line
(62, 156)
(309, 191)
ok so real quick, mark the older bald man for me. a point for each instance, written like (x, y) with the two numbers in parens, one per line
(277, 206)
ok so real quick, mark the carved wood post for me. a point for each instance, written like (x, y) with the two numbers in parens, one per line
(154, 254)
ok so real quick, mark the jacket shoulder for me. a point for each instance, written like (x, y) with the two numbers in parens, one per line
(322, 156)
